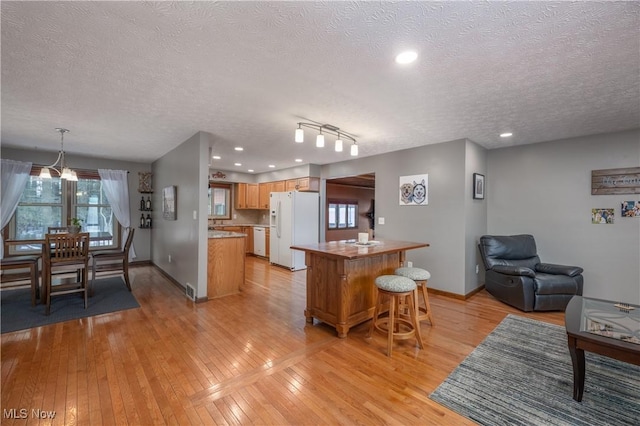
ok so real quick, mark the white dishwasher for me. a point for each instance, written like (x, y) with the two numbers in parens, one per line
(259, 248)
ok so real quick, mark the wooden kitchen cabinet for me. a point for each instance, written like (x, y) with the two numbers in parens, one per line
(277, 186)
(225, 266)
(291, 185)
(310, 184)
(249, 245)
(264, 189)
(267, 239)
(240, 201)
(252, 196)
(246, 196)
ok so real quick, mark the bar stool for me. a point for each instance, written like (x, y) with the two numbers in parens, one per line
(396, 288)
(25, 262)
(420, 276)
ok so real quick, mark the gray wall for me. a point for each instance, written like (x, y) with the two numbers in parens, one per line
(443, 222)
(142, 237)
(475, 216)
(184, 239)
(544, 189)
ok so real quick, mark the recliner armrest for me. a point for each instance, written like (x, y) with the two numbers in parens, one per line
(550, 268)
(514, 270)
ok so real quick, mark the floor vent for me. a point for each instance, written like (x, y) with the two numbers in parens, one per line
(191, 292)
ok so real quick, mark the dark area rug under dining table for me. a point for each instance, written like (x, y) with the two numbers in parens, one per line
(109, 295)
(521, 374)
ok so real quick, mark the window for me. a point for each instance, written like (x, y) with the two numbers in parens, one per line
(219, 200)
(342, 214)
(52, 202)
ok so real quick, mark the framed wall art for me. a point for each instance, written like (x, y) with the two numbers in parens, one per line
(169, 203)
(602, 216)
(478, 186)
(414, 190)
(630, 209)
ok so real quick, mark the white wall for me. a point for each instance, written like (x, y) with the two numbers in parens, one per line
(142, 237)
(544, 189)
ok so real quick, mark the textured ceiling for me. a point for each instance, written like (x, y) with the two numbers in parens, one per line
(132, 80)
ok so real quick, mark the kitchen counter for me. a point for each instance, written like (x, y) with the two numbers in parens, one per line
(340, 278)
(225, 234)
(225, 263)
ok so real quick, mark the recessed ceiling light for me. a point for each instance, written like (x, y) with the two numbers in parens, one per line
(505, 135)
(272, 166)
(406, 57)
(237, 164)
(298, 160)
(216, 157)
(239, 148)
(250, 170)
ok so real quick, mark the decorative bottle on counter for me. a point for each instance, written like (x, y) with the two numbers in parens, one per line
(142, 203)
(142, 221)
(148, 205)
(148, 223)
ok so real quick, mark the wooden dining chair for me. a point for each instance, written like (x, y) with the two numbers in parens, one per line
(113, 260)
(65, 253)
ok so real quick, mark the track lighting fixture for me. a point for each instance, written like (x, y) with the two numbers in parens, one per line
(330, 129)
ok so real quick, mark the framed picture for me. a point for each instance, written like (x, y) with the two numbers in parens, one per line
(414, 190)
(602, 216)
(169, 203)
(478, 186)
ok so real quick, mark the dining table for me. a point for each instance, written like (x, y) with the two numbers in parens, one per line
(35, 246)
(341, 277)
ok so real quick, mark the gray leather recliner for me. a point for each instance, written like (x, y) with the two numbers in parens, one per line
(515, 275)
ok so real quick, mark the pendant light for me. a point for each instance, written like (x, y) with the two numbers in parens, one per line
(320, 140)
(338, 144)
(63, 171)
(299, 134)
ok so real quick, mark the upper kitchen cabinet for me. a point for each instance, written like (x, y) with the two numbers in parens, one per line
(310, 184)
(247, 196)
(264, 189)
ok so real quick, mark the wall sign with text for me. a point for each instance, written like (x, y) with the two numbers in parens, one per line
(615, 181)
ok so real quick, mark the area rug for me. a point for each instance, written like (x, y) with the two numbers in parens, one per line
(109, 295)
(521, 374)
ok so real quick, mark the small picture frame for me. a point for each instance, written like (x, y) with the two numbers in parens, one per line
(169, 203)
(478, 186)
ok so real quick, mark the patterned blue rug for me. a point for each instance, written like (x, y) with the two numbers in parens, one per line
(109, 295)
(521, 374)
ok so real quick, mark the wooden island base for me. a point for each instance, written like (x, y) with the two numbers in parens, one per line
(340, 279)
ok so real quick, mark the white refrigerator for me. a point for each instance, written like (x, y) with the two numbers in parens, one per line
(295, 219)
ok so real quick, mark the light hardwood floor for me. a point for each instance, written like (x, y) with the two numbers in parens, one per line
(244, 359)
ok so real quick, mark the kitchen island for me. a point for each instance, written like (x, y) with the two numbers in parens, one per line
(225, 263)
(340, 279)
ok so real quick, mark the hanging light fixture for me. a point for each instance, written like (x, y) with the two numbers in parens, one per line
(354, 149)
(320, 140)
(338, 147)
(326, 128)
(299, 134)
(63, 171)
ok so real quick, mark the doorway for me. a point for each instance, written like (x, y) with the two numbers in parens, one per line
(350, 207)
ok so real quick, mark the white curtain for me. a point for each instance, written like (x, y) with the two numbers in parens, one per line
(14, 179)
(116, 188)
